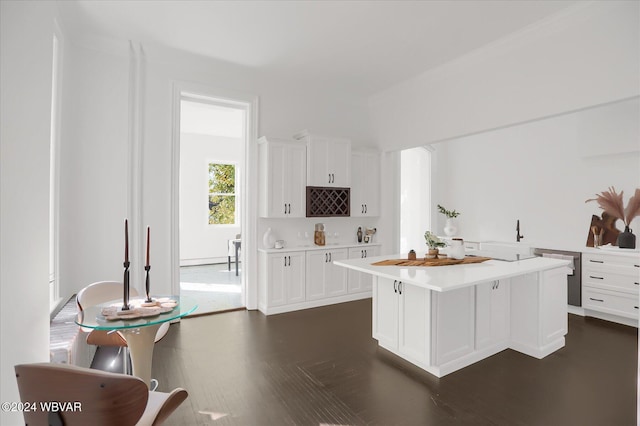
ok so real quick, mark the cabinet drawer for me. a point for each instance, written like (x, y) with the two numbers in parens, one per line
(606, 301)
(622, 278)
(590, 259)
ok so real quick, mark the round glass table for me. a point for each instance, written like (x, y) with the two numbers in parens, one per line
(139, 332)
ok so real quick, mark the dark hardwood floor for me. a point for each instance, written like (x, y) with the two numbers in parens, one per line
(322, 367)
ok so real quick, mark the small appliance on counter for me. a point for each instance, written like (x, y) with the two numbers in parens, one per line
(318, 235)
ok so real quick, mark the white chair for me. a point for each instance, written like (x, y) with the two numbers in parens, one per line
(101, 292)
(231, 251)
(95, 397)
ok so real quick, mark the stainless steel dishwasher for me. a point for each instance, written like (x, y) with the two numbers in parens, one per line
(574, 281)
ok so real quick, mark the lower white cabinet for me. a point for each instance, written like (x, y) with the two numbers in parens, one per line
(324, 279)
(285, 278)
(400, 322)
(492, 313)
(442, 332)
(610, 285)
(359, 281)
(301, 278)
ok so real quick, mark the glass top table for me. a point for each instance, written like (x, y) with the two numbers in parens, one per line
(139, 332)
(92, 316)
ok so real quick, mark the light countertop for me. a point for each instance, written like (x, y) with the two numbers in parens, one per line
(446, 278)
(315, 247)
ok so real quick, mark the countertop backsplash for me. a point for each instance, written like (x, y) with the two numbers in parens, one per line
(338, 230)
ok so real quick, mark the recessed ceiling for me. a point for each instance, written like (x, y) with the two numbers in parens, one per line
(361, 47)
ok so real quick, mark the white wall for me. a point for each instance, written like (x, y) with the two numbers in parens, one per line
(285, 108)
(200, 242)
(540, 173)
(586, 56)
(26, 39)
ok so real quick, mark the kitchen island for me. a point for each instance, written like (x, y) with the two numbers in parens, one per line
(444, 318)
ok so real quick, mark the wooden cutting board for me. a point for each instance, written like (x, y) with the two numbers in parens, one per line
(431, 262)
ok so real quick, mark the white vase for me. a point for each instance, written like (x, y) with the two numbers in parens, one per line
(450, 228)
(268, 239)
(456, 248)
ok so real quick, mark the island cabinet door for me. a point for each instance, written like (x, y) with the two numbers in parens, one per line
(385, 312)
(492, 314)
(539, 312)
(414, 323)
(452, 326)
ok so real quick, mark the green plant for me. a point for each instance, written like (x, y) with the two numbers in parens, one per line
(433, 241)
(448, 213)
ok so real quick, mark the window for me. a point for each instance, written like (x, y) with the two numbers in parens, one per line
(222, 194)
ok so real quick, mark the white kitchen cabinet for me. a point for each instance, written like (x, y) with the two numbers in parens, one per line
(610, 284)
(452, 325)
(365, 184)
(359, 281)
(285, 278)
(324, 279)
(282, 178)
(492, 313)
(400, 319)
(328, 160)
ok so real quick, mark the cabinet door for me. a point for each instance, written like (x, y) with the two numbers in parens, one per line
(315, 277)
(317, 161)
(336, 276)
(339, 162)
(365, 184)
(385, 312)
(273, 173)
(276, 280)
(414, 325)
(359, 281)
(295, 181)
(492, 313)
(295, 277)
(452, 325)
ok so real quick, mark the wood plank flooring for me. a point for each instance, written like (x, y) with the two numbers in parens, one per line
(322, 367)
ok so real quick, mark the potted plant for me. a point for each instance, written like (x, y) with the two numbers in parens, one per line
(433, 242)
(450, 228)
(611, 202)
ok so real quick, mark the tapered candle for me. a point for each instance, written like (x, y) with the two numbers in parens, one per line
(126, 240)
(148, 232)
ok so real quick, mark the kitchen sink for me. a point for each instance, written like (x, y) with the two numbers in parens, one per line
(506, 247)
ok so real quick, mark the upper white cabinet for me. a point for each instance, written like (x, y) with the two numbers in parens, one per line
(328, 160)
(282, 178)
(365, 184)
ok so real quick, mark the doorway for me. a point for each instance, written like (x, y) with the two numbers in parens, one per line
(415, 196)
(212, 145)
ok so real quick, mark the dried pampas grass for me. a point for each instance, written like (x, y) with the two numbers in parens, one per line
(611, 202)
(633, 208)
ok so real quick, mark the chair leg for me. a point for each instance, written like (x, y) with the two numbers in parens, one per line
(229, 263)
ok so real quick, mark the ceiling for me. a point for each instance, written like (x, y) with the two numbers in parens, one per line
(361, 47)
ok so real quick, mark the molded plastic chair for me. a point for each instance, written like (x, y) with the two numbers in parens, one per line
(92, 397)
(101, 292)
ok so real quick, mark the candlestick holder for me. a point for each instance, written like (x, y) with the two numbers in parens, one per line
(125, 297)
(146, 284)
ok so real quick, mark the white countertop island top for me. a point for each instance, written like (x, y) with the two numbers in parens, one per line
(451, 277)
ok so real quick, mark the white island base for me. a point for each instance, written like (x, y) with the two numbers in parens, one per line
(445, 318)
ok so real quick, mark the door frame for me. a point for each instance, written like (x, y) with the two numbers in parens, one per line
(249, 185)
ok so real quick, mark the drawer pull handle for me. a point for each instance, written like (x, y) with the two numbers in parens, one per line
(637, 266)
(635, 307)
(597, 278)
(637, 283)
(596, 261)
(596, 300)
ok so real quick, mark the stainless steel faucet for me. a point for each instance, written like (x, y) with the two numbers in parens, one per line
(518, 236)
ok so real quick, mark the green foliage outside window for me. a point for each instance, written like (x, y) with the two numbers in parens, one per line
(222, 198)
